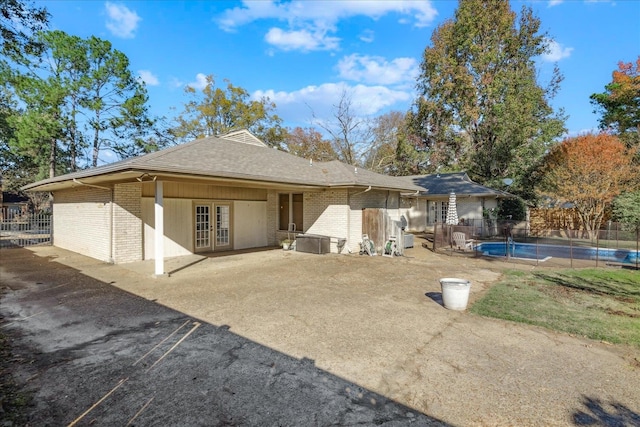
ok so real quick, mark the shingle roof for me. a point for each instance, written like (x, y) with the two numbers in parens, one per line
(457, 182)
(218, 157)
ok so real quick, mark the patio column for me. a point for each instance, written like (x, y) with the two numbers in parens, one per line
(159, 229)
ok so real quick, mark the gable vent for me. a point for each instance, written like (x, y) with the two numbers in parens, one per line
(243, 136)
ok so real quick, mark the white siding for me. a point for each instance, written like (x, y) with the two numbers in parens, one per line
(178, 227)
(249, 225)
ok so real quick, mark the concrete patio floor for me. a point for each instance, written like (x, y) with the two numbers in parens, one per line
(376, 321)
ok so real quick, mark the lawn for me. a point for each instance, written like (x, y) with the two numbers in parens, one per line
(601, 304)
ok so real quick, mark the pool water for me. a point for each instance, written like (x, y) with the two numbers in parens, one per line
(544, 252)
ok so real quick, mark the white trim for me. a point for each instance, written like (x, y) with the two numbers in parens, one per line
(159, 229)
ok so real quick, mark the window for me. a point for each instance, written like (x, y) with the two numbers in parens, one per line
(443, 211)
(291, 208)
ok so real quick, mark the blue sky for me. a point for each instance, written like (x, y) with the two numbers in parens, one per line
(304, 54)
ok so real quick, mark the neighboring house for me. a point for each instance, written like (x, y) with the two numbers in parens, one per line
(422, 210)
(12, 204)
(213, 194)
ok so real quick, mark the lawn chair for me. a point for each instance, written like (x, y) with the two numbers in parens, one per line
(461, 242)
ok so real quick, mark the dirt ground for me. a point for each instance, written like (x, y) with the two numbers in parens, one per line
(378, 323)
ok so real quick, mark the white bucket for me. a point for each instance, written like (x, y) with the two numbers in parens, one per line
(455, 293)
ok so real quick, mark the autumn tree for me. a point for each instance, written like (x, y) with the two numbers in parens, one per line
(619, 104)
(309, 144)
(216, 111)
(480, 106)
(587, 171)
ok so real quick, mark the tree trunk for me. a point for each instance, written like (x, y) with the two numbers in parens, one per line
(96, 141)
(52, 157)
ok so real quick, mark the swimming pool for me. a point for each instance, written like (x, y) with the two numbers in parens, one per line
(544, 252)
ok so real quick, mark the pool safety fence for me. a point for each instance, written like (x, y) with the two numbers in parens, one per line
(615, 244)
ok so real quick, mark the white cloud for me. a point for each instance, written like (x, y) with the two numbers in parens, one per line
(148, 77)
(377, 70)
(319, 17)
(555, 51)
(303, 40)
(554, 2)
(299, 106)
(367, 36)
(200, 83)
(121, 21)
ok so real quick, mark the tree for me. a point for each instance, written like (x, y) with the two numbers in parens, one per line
(480, 107)
(116, 100)
(350, 134)
(410, 157)
(217, 111)
(386, 130)
(309, 144)
(620, 103)
(626, 208)
(75, 93)
(587, 171)
(19, 20)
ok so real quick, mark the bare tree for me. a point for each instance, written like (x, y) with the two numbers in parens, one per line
(350, 134)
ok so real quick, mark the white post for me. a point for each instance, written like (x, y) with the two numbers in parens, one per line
(159, 231)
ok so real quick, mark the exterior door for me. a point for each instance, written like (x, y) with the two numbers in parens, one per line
(222, 227)
(202, 228)
(213, 227)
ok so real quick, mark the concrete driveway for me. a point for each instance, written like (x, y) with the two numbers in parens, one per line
(373, 325)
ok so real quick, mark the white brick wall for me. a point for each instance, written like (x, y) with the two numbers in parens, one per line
(127, 223)
(81, 221)
(326, 213)
(273, 239)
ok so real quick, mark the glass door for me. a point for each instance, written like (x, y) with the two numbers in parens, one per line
(222, 227)
(203, 228)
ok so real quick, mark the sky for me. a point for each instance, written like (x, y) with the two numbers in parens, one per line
(304, 55)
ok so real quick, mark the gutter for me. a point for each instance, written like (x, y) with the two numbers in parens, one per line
(361, 192)
(77, 181)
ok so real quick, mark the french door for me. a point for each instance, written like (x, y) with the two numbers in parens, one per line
(212, 227)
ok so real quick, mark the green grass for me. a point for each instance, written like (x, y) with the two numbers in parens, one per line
(600, 304)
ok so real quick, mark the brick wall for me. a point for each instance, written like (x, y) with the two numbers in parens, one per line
(326, 213)
(273, 239)
(127, 223)
(82, 221)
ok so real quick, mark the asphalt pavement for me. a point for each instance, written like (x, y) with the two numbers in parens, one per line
(89, 353)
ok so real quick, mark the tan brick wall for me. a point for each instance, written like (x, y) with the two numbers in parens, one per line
(127, 223)
(81, 221)
(273, 239)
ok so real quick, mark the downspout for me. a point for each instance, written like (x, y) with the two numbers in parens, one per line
(111, 236)
(111, 190)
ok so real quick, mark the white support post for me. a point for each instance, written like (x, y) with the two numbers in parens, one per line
(159, 229)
